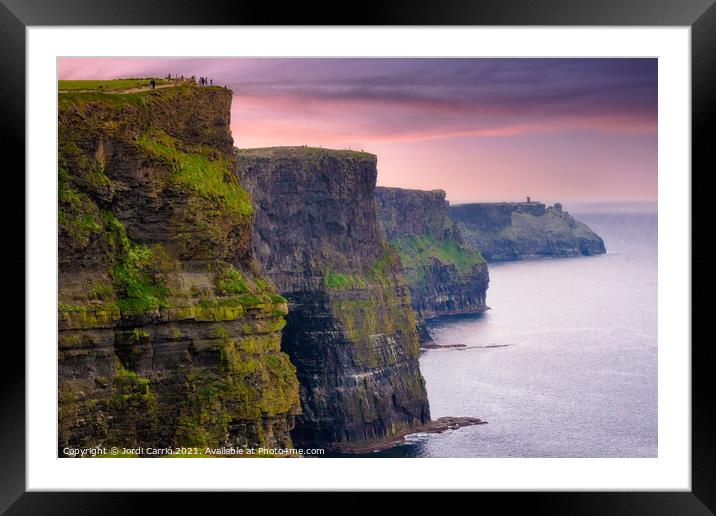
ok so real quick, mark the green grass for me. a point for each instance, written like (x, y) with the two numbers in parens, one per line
(417, 250)
(78, 214)
(107, 85)
(231, 282)
(379, 273)
(127, 382)
(277, 298)
(101, 291)
(137, 288)
(303, 151)
(64, 307)
(341, 281)
(242, 300)
(80, 99)
(388, 261)
(113, 94)
(210, 178)
(131, 392)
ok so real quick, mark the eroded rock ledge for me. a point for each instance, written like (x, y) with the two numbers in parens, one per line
(521, 230)
(168, 334)
(350, 329)
(444, 275)
(437, 426)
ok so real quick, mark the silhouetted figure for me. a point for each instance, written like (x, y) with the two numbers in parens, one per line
(153, 83)
(211, 82)
(528, 199)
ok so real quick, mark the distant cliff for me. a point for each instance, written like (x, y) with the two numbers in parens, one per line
(168, 333)
(515, 231)
(444, 275)
(350, 329)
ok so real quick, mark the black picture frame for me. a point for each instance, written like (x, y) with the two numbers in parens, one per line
(17, 15)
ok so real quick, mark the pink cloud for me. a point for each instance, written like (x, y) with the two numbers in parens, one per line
(481, 129)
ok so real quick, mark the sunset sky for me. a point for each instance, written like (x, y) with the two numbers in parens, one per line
(481, 129)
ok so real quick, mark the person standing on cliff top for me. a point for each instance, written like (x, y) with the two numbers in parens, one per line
(153, 83)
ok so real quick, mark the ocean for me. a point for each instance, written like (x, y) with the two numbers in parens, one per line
(565, 362)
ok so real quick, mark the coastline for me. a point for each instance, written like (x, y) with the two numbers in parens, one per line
(436, 426)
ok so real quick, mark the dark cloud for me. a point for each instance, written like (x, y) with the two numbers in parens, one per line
(526, 86)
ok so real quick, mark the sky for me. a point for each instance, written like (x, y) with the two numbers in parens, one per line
(582, 130)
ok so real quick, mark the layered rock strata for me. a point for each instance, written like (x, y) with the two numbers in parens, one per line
(168, 333)
(444, 275)
(520, 230)
(350, 330)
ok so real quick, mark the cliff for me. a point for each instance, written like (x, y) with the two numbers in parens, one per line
(168, 334)
(444, 275)
(350, 329)
(515, 231)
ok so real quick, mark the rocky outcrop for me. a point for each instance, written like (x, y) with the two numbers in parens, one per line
(520, 230)
(350, 330)
(168, 333)
(444, 275)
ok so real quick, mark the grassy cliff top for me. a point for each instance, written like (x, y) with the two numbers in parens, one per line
(498, 203)
(304, 152)
(112, 84)
(413, 191)
(121, 92)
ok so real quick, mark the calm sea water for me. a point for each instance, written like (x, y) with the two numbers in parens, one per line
(576, 373)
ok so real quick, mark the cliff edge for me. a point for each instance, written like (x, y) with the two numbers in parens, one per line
(519, 230)
(350, 329)
(168, 333)
(444, 275)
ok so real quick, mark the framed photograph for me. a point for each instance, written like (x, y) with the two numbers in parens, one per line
(440, 249)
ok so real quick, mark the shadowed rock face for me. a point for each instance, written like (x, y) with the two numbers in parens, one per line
(350, 330)
(444, 275)
(402, 212)
(168, 335)
(516, 231)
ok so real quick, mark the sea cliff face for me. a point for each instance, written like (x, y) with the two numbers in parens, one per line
(444, 275)
(168, 333)
(516, 231)
(350, 329)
